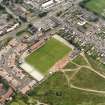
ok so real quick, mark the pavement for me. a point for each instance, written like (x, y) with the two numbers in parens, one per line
(63, 41)
(32, 71)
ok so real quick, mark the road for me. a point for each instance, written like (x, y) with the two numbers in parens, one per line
(86, 89)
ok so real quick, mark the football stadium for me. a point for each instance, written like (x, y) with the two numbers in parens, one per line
(49, 53)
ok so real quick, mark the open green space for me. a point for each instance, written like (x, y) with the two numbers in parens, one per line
(97, 65)
(59, 93)
(46, 56)
(55, 91)
(58, 89)
(80, 60)
(69, 74)
(70, 65)
(18, 103)
(76, 62)
(96, 6)
(86, 78)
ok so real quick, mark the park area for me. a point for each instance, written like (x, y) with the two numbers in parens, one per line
(81, 82)
(46, 56)
(96, 6)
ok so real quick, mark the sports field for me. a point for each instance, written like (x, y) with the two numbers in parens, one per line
(96, 6)
(46, 56)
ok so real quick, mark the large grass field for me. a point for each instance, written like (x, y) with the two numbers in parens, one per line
(62, 87)
(46, 56)
(60, 93)
(85, 78)
(70, 65)
(55, 91)
(97, 65)
(79, 60)
(96, 6)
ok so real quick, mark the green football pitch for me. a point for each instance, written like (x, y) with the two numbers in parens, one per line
(46, 56)
(96, 6)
